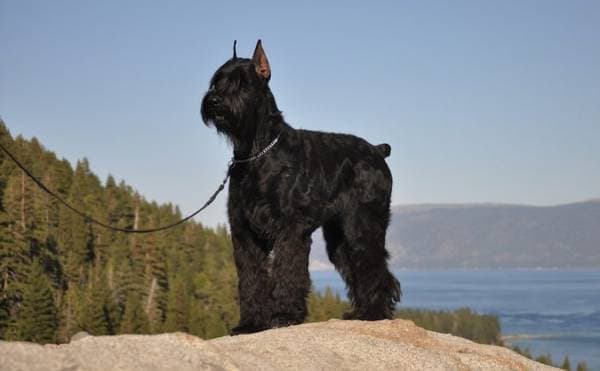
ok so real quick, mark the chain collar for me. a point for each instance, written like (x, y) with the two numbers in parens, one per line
(260, 154)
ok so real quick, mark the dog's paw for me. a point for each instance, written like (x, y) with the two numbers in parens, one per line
(375, 315)
(247, 328)
(283, 321)
(350, 315)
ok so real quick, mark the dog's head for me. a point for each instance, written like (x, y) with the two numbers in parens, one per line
(239, 97)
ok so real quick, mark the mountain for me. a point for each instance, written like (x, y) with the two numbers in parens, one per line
(443, 236)
(495, 236)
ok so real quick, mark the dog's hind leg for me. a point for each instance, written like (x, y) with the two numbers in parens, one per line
(337, 251)
(291, 280)
(375, 289)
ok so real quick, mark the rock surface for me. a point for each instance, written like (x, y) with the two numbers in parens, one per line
(332, 345)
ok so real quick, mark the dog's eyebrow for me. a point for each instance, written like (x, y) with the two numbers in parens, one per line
(239, 72)
(216, 78)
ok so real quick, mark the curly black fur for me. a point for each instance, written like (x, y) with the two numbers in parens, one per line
(309, 179)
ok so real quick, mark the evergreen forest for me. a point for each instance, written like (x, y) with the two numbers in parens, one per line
(59, 274)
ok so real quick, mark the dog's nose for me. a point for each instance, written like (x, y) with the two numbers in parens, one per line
(212, 100)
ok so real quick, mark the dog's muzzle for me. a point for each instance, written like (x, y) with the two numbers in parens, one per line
(210, 108)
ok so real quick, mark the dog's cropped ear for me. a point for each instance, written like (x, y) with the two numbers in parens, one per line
(261, 63)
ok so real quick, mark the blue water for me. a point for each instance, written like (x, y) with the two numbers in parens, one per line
(552, 311)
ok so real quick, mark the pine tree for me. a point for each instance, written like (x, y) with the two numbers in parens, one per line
(92, 314)
(79, 239)
(111, 307)
(582, 366)
(215, 326)
(4, 317)
(325, 306)
(198, 320)
(44, 242)
(137, 280)
(69, 312)
(15, 240)
(120, 279)
(566, 365)
(152, 306)
(155, 260)
(37, 318)
(134, 320)
(545, 359)
(178, 307)
(226, 298)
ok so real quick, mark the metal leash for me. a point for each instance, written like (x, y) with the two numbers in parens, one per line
(89, 219)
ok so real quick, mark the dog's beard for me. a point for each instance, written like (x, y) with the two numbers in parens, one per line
(216, 121)
(226, 114)
(213, 114)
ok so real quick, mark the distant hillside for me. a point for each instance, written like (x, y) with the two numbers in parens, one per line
(491, 236)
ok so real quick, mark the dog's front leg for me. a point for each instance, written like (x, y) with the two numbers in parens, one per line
(254, 286)
(291, 280)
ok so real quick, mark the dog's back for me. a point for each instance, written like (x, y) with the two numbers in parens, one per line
(345, 144)
(350, 168)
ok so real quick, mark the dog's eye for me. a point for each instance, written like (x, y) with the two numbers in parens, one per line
(221, 85)
(243, 79)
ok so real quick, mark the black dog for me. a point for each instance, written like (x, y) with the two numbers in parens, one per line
(284, 185)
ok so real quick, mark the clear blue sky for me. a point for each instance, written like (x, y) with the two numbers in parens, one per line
(482, 101)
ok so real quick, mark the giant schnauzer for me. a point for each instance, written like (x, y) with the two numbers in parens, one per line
(285, 183)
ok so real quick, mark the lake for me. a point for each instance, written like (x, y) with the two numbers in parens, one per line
(554, 311)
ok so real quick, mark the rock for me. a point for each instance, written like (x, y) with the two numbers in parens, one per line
(176, 351)
(78, 336)
(332, 345)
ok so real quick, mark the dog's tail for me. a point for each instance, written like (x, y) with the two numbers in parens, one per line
(383, 150)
